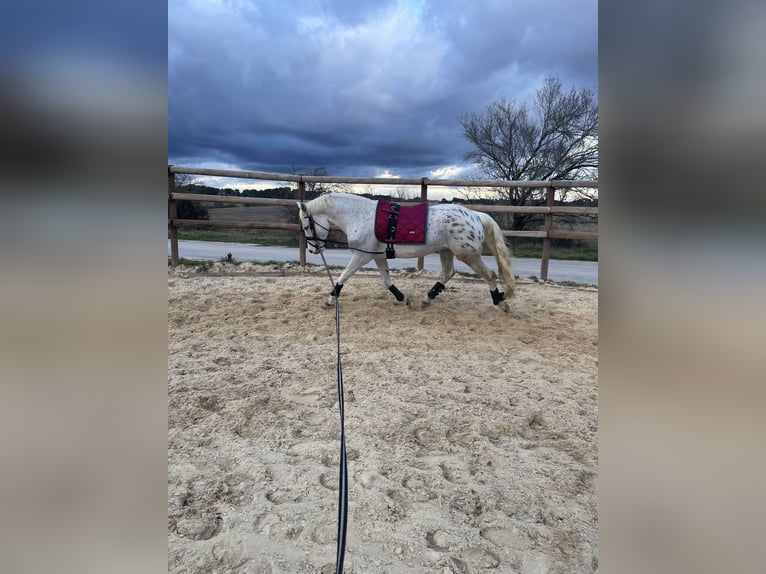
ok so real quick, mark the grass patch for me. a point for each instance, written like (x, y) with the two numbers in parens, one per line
(566, 253)
(199, 265)
(228, 258)
(566, 249)
(574, 284)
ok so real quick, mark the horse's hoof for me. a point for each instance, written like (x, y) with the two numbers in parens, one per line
(506, 308)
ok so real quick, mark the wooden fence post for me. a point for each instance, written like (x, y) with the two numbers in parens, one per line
(301, 195)
(550, 193)
(424, 198)
(172, 214)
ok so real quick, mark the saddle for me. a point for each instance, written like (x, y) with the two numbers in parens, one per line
(397, 224)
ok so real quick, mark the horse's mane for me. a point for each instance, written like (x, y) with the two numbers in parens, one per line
(324, 201)
(319, 204)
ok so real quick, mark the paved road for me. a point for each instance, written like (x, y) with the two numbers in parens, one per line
(578, 271)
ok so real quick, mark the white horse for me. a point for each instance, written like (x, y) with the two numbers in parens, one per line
(452, 230)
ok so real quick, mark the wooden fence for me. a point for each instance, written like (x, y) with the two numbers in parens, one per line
(549, 210)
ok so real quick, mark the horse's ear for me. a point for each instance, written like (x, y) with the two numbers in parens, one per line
(301, 206)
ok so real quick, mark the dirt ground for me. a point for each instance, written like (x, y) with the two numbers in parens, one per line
(471, 434)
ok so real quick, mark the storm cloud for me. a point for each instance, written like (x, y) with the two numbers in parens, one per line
(360, 88)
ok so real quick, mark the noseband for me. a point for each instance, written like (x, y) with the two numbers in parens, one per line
(314, 237)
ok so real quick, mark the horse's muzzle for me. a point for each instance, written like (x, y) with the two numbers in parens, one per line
(315, 247)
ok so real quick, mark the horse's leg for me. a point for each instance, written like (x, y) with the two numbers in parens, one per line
(382, 264)
(448, 270)
(357, 261)
(474, 262)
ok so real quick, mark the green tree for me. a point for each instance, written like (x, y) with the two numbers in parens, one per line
(188, 209)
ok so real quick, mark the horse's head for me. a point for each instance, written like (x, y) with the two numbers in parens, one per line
(315, 227)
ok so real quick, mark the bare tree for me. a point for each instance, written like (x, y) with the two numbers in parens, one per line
(314, 188)
(404, 193)
(559, 140)
(183, 180)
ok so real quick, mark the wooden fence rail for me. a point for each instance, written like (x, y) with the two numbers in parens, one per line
(548, 210)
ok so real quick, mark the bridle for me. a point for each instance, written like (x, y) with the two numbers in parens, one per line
(314, 240)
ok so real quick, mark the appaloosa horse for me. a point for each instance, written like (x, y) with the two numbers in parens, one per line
(452, 230)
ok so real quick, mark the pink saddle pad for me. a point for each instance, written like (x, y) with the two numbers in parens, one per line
(397, 224)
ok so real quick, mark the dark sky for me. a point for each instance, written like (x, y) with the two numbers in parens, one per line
(361, 88)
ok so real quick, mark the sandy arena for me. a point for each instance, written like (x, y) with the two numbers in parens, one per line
(471, 434)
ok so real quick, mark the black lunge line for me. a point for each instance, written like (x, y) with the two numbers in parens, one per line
(343, 471)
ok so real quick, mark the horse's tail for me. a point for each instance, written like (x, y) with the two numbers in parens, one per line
(493, 236)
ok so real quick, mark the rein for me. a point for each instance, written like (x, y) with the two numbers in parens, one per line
(343, 471)
(315, 238)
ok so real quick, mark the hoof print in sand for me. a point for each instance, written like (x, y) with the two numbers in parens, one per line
(481, 558)
(199, 527)
(329, 482)
(438, 540)
(282, 496)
